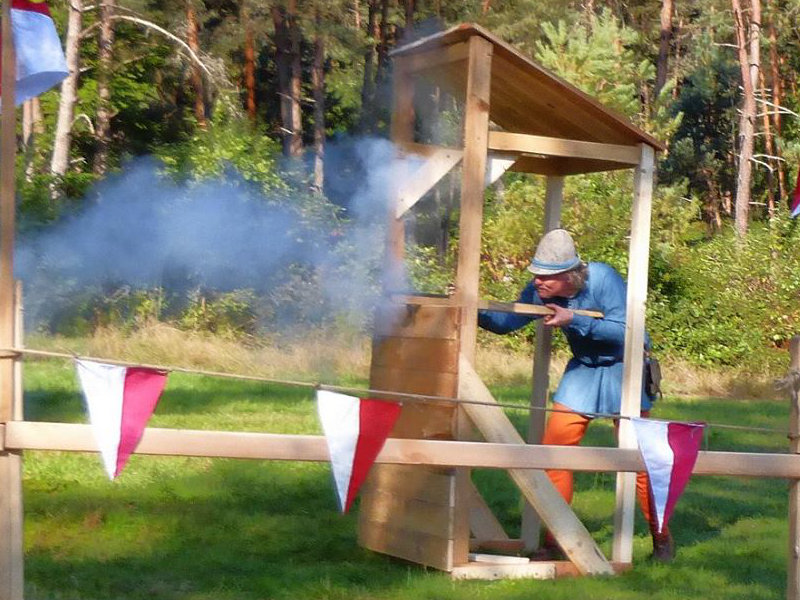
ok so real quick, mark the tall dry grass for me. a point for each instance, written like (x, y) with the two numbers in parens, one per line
(334, 356)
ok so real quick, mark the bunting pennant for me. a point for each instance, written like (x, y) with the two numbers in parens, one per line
(120, 401)
(794, 201)
(669, 451)
(40, 61)
(355, 431)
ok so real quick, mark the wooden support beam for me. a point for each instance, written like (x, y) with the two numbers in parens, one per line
(499, 163)
(476, 128)
(793, 566)
(71, 437)
(11, 544)
(638, 261)
(419, 181)
(492, 422)
(546, 146)
(531, 523)
(402, 132)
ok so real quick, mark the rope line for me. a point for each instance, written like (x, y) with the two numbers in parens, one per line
(376, 394)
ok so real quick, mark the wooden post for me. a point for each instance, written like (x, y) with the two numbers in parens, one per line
(476, 130)
(402, 132)
(531, 523)
(793, 568)
(473, 175)
(638, 261)
(11, 548)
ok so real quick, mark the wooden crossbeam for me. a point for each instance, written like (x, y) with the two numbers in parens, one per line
(546, 146)
(72, 437)
(494, 425)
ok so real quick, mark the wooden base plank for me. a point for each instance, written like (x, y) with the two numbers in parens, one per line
(489, 571)
(421, 548)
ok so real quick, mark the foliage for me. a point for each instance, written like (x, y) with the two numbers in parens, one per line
(733, 302)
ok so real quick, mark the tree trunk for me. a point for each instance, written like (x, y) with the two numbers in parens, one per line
(777, 100)
(68, 97)
(295, 87)
(748, 68)
(485, 6)
(318, 84)
(249, 63)
(356, 15)
(196, 78)
(383, 42)
(769, 148)
(410, 6)
(667, 9)
(102, 127)
(31, 129)
(282, 63)
(368, 86)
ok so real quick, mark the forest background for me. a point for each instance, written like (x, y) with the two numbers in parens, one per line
(221, 166)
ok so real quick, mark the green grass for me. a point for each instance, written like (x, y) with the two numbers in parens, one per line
(192, 528)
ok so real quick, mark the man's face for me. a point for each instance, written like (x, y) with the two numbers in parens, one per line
(553, 286)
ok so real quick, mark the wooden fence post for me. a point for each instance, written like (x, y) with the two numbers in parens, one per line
(793, 381)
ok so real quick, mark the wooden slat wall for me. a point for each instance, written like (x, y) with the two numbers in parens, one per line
(408, 511)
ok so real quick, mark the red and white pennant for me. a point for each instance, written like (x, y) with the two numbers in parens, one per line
(355, 431)
(120, 401)
(669, 451)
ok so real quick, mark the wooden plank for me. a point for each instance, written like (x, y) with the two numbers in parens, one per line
(417, 501)
(498, 163)
(506, 141)
(416, 354)
(414, 321)
(571, 535)
(408, 513)
(489, 571)
(413, 382)
(512, 307)
(11, 524)
(531, 523)
(437, 57)
(402, 131)
(423, 549)
(407, 453)
(638, 261)
(426, 422)
(476, 128)
(531, 309)
(421, 180)
(793, 566)
(432, 485)
(482, 522)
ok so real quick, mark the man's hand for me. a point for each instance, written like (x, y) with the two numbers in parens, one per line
(560, 317)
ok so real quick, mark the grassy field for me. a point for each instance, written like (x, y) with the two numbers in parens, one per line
(192, 529)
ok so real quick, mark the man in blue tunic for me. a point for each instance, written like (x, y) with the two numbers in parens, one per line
(592, 380)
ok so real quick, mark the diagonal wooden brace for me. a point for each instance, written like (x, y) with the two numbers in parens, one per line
(556, 514)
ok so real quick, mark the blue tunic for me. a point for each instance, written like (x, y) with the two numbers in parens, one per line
(592, 381)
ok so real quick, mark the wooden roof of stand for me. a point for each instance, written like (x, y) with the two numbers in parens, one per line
(527, 99)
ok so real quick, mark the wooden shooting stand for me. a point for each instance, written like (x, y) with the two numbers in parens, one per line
(516, 116)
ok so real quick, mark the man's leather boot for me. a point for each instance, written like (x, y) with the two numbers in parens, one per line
(663, 547)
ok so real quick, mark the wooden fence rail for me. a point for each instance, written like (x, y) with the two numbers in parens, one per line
(30, 435)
